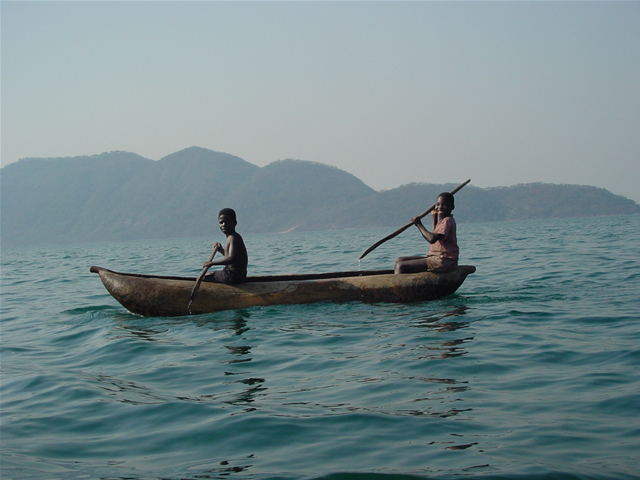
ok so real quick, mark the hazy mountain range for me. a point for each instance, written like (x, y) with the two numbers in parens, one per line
(121, 196)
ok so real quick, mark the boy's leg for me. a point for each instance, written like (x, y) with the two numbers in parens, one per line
(225, 276)
(217, 276)
(411, 265)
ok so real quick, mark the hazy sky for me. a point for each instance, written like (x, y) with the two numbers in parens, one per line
(392, 92)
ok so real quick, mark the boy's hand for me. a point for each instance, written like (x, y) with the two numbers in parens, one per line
(217, 248)
(416, 221)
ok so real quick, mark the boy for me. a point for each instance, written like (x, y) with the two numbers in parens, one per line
(443, 252)
(235, 253)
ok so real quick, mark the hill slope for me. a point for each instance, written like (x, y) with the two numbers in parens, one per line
(120, 196)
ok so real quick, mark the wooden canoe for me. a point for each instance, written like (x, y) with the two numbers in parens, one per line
(161, 296)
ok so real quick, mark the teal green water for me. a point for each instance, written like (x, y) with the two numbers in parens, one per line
(531, 370)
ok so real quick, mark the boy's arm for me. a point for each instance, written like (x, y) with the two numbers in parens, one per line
(428, 236)
(229, 252)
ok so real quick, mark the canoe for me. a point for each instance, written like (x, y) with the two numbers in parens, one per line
(162, 296)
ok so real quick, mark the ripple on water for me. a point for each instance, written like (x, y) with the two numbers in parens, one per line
(529, 371)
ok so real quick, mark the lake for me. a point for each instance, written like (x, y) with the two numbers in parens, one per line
(530, 371)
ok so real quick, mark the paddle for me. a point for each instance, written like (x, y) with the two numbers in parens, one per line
(402, 229)
(201, 276)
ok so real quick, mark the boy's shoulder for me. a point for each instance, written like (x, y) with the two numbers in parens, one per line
(235, 236)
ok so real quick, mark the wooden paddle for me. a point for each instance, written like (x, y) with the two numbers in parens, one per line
(402, 229)
(201, 276)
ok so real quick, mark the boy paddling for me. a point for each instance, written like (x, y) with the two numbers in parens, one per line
(235, 258)
(443, 252)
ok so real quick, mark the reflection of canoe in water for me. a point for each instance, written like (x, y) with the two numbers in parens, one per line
(157, 296)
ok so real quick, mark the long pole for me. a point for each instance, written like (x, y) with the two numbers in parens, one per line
(201, 276)
(402, 229)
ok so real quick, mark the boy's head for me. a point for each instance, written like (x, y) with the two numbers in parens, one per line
(447, 197)
(445, 204)
(229, 212)
(227, 221)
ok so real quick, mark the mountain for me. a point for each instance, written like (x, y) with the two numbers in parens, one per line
(116, 195)
(123, 196)
(296, 195)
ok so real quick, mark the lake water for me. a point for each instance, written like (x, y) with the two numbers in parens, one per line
(530, 371)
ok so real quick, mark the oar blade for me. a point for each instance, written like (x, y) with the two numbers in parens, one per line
(380, 242)
(197, 285)
(200, 278)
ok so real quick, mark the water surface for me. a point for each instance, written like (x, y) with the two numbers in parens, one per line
(531, 370)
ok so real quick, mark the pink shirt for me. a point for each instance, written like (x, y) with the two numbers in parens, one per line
(446, 247)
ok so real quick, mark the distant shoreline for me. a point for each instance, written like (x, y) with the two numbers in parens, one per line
(123, 196)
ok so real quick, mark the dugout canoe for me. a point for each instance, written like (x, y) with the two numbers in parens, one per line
(162, 296)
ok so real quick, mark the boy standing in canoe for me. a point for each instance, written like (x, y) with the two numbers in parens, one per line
(443, 252)
(235, 258)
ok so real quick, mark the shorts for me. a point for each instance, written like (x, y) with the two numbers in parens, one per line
(441, 264)
(226, 276)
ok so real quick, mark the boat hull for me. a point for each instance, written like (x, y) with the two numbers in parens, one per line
(157, 296)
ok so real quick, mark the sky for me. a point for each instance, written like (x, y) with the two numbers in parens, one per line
(393, 92)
